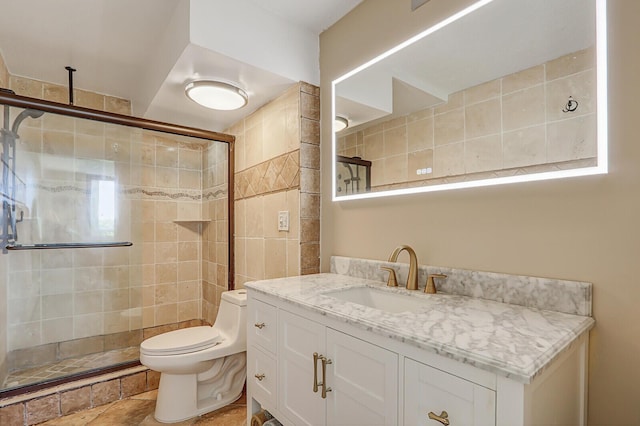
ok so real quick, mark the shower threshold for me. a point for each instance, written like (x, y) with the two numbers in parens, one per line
(69, 369)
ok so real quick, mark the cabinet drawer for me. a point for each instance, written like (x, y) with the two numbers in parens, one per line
(429, 390)
(263, 325)
(262, 377)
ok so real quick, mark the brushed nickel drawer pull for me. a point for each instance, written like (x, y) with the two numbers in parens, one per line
(260, 377)
(442, 418)
(259, 325)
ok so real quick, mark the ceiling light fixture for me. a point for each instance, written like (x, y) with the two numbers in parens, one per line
(340, 123)
(216, 95)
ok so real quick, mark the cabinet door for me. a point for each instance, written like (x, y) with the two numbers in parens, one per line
(262, 325)
(261, 377)
(428, 390)
(363, 380)
(298, 339)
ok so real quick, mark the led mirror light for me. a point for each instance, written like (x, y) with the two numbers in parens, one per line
(216, 95)
(601, 166)
(340, 123)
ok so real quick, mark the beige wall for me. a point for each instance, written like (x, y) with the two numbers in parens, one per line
(277, 161)
(581, 228)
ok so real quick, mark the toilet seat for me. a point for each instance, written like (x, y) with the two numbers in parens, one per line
(183, 341)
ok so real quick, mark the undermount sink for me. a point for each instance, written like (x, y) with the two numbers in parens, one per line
(378, 299)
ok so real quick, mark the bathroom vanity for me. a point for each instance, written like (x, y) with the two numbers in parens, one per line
(335, 349)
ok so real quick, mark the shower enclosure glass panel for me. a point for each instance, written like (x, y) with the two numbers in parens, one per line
(79, 181)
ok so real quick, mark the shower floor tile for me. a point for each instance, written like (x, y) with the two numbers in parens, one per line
(70, 366)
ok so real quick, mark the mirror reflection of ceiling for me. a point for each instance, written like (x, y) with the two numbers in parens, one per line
(500, 38)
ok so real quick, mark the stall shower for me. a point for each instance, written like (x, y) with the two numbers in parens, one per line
(110, 228)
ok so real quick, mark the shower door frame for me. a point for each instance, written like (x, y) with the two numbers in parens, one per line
(13, 100)
(18, 101)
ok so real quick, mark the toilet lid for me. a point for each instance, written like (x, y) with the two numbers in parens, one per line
(182, 341)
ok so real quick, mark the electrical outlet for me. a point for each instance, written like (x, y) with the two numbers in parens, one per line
(283, 221)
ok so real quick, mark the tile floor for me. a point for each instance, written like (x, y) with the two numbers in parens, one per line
(70, 366)
(138, 411)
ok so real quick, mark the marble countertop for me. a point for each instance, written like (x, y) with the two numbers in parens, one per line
(510, 340)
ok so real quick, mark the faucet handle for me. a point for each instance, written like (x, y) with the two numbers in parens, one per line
(431, 285)
(392, 281)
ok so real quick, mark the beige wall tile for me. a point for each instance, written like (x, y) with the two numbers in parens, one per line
(420, 134)
(395, 141)
(117, 105)
(525, 147)
(188, 251)
(275, 258)
(572, 139)
(448, 160)
(166, 314)
(293, 258)
(374, 146)
(449, 127)
(523, 108)
(115, 322)
(483, 154)
(395, 169)
(188, 290)
(571, 64)
(482, 119)
(456, 100)
(189, 179)
(255, 258)
(523, 79)
(482, 92)
(166, 232)
(188, 271)
(188, 310)
(580, 86)
(419, 160)
(55, 93)
(253, 146)
(26, 87)
(166, 273)
(254, 211)
(272, 204)
(88, 99)
(167, 156)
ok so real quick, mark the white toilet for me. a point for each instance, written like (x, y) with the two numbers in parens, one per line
(202, 368)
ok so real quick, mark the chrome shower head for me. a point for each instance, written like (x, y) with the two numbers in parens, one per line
(33, 113)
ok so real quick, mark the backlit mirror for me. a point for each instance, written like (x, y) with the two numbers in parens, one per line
(503, 91)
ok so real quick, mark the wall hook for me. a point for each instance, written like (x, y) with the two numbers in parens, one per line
(571, 105)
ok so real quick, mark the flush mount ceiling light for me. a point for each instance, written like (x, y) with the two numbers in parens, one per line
(216, 95)
(340, 123)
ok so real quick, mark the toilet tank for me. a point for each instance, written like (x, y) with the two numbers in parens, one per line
(231, 320)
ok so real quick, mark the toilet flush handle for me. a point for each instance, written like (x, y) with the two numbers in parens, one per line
(259, 325)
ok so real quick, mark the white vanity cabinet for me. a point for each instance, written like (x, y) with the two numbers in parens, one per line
(361, 379)
(434, 397)
(373, 378)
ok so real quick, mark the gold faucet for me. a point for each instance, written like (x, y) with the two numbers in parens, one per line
(412, 279)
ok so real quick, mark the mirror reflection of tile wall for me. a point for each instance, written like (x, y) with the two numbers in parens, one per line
(513, 123)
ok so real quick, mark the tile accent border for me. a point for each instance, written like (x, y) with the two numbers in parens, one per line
(277, 174)
(571, 297)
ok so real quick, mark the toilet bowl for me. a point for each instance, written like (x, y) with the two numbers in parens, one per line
(201, 368)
